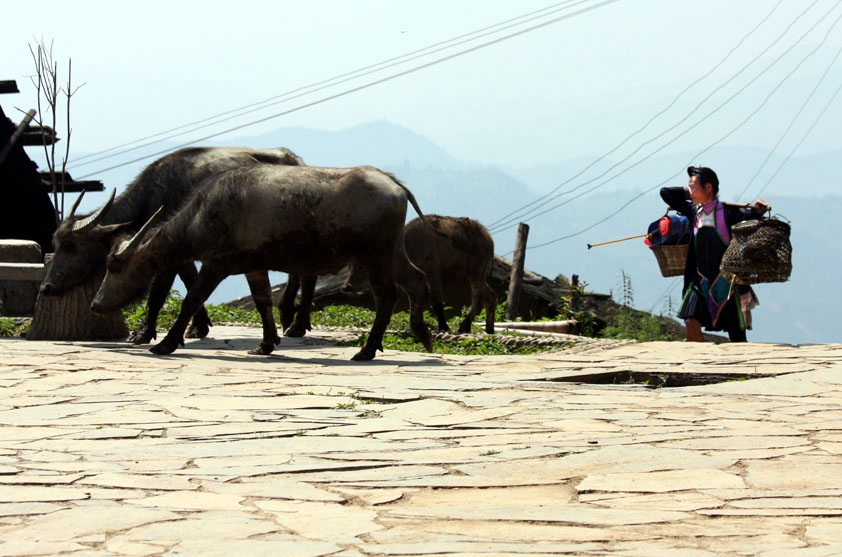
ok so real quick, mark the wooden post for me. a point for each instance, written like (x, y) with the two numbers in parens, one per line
(516, 278)
(69, 317)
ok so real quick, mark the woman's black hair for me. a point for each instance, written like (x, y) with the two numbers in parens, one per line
(705, 175)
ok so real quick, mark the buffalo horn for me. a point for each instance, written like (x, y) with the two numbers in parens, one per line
(76, 204)
(91, 220)
(132, 244)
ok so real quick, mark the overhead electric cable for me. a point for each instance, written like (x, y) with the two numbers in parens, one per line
(331, 82)
(804, 137)
(366, 85)
(510, 223)
(517, 212)
(534, 214)
(789, 127)
(719, 140)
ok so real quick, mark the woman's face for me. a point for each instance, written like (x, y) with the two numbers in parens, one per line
(700, 193)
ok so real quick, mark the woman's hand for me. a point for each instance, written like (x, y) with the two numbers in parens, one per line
(761, 207)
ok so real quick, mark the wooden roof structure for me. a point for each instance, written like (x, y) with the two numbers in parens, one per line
(34, 135)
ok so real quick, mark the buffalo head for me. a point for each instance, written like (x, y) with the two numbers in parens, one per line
(130, 268)
(80, 247)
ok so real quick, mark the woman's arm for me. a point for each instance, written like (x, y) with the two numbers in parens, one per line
(678, 199)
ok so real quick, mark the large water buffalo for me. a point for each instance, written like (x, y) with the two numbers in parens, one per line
(306, 221)
(82, 243)
(454, 250)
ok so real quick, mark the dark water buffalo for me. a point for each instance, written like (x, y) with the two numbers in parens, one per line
(305, 221)
(452, 250)
(82, 242)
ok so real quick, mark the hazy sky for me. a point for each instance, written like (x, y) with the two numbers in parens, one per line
(573, 87)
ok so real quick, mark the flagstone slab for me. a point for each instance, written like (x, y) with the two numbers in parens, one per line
(478, 547)
(157, 482)
(430, 531)
(568, 514)
(440, 413)
(340, 523)
(661, 481)
(23, 509)
(192, 501)
(299, 547)
(277, 487)
(826, 532)
(12, 548)
(31, 477)
(74, 523)
(373, 497)
(40, 493)
(674, 501)
(794, 472)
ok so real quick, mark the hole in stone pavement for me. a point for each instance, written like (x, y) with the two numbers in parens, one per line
(656, 380)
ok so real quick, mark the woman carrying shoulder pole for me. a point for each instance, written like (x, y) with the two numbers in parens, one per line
(711, 300)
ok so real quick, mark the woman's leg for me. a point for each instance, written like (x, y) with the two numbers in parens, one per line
(693, 331)
(737, 335)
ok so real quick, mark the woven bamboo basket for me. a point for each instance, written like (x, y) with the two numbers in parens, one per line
(759, 251)
(671, 259)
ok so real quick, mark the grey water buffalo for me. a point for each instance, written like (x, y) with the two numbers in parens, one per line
(82, 243)
(306, 221)
(454, 250)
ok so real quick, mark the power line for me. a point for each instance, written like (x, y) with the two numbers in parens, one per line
(532, 213)
(375, 82)
(324, 84)
(517, 214)
(789, 127)
(716, 142)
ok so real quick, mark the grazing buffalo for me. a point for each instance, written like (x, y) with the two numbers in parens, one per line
(449, 250)
(305, 221)
(82, 243)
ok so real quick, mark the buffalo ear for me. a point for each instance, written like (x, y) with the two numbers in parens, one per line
(111, 230)
(155, 239)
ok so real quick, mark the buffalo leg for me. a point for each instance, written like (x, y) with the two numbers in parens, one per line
(481, 296)
(286, 305)
(490, 301)
(434, 281)
(261, 293)
(413, 281)
(301, 323)
(161, 286)
(200, 327)
(385, 295)
(206, 282)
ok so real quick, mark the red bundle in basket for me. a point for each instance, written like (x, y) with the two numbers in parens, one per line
(668, 238)
(669, 230)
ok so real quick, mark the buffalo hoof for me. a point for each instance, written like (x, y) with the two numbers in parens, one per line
(427, 341)
(364, 355)
(142, 336)
(295, 330)
(164, 347)
(199, 330)
(265, 348)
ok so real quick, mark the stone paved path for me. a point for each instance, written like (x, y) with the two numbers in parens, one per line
(107, 449)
